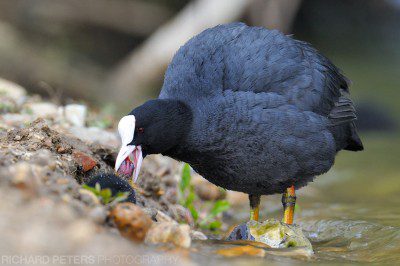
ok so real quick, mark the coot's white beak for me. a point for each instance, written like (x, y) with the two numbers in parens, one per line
(130, 157)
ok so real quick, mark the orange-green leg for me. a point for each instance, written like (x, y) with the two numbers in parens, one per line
(288, 201)
(254, 206)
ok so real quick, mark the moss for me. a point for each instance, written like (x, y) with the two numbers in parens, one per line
(278, 234)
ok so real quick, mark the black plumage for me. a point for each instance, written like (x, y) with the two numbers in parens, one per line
(251, 110)
(115, 184)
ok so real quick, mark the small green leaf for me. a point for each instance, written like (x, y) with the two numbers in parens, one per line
(185, 180)
(90, 189)
(190, 197)
(215, 225)
(106, 195)
(194, 212)
(219, 206)
(121, 196)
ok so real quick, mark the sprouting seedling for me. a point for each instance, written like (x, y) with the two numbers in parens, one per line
(188, 197)
(210, 222)
(105, 195)
(187, 193)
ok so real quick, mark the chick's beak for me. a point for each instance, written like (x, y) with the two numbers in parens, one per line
(129, 161)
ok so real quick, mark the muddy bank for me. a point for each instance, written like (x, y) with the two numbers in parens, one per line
(47, 153)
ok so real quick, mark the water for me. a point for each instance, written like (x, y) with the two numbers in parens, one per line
(350, 215)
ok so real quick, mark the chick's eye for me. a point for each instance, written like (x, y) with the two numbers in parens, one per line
(140, 130)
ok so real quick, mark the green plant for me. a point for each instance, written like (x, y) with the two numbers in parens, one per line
(105, 195)
(188, 198)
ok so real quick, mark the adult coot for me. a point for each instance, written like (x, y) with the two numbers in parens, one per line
(250, 109)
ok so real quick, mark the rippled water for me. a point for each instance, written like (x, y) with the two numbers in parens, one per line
(351, 214)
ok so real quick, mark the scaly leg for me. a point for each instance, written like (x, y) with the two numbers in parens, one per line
(254, 206)
(288, 202)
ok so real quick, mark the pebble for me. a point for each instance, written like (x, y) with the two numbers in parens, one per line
(16, 120)
(42, 109)
(277, 234)
(13, 91)
(206, 190)
(151, 212)
(162, 217)
(85, 161)
(237, 198)
(88, 197)
(7, 105)
(98, 214)
(43, 157)
(81, 231)
(197, 235)
(241, 251)
(131, 221)
(26, 176)
(164, 232)
(95, 135)
(181, 214)
(75, 114)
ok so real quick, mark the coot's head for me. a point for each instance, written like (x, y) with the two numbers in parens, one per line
(154, 127)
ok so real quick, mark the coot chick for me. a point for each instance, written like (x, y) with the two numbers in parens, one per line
(250, 109)
(115, 184)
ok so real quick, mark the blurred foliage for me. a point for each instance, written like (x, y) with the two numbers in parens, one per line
(188, 197)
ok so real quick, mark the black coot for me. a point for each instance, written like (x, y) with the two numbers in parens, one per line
(250, 109)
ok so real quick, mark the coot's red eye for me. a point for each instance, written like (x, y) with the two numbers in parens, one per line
(140, 130)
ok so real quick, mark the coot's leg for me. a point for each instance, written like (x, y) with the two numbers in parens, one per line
(288, 201)
(254, 206)
(242, 231)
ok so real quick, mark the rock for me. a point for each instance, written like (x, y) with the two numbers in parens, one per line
(88, 197)
(151, 186)
(26, 176)
(163, 171)
(16, 120)
(85, 161)
(7, 105)
(278, 234)
(206, 190)
(62, 148)
(131, 221)
(162, 217)
(75, 114)
(80, 231)
(181, 214)
(95, 135)
(239, 232)
(151, 212)
(171, 195)
(42, 109)
(43, 157)
(240, 251)
(197, 235)
(164, 232)
(12, 91)
(98, 214)
(237, 198)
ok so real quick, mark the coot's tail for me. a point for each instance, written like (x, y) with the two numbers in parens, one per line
(344, 130)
